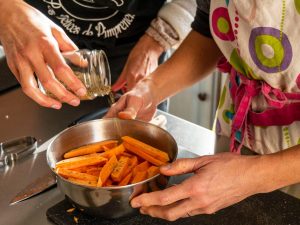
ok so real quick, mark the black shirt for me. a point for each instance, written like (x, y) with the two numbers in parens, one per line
(201, 22)
(95, 24)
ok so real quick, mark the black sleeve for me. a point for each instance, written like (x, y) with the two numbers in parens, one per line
(201, 21)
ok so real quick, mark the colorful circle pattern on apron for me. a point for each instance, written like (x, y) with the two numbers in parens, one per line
(221, 24)
(270, 49)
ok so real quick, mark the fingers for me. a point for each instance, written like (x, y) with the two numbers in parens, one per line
(127, 107)
(62, 71)
(162, 198)
(182, 166)
(119, 84)
(170, 212)
(64, 42)
(133, 106)
(50, 83)
(30, 88)
(116, 108)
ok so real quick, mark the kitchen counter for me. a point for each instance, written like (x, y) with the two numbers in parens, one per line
(274, 208)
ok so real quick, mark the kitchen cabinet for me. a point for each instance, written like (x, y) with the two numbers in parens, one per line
(198, 103)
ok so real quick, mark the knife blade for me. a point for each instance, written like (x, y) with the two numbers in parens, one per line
(39, 185)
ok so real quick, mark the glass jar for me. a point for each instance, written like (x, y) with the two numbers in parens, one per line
(92, 68)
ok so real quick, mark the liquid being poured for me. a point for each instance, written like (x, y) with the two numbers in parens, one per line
(111, 98)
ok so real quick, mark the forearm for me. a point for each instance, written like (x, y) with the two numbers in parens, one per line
(196, 57)
(278, 170)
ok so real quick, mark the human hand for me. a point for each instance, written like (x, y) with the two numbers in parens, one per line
(219, 181)
(32, 44)
(142, 60)
(138, 103)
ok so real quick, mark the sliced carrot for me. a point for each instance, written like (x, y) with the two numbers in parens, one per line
(108, 183)
(111, 144)
(70, 173)
(136, 150)
(81, 161)
(133, 161)
(139, 176)
(106, 170)
(83, 182)
(141, 167)
(81, 169)
(119, 171)
(114, 151)
(90, 148)
(152, 171)
(106, 148)
(150, 150)
(127, 154)
(94, 171)
(125, 180)
(84, 169)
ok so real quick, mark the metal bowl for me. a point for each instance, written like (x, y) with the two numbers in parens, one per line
(109, 202)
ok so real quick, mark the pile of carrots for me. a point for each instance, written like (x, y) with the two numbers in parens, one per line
(110, 163)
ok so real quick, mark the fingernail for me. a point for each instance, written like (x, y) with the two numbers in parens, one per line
(81, 92)
(135, 204)
(55, 106)
(75, 102)
(166, 167)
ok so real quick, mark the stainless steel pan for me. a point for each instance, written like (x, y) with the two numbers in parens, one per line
(109, 202)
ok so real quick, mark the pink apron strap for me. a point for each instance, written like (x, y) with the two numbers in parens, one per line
(242, 94)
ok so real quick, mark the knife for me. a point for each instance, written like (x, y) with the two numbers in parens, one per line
(39, 185)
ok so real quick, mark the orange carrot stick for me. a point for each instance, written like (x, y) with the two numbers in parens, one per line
(106, 170)
(141, 167)
(152, 171)
(90, 148)
(70, 173)
(127, 154)
(133, 161)
(125, 180)
(114, 151)
(141, 175)
(119, 171)
(83, 182)
(150, 150)
(81, 161)
(94, 171)
(142, 154)
(108, 183)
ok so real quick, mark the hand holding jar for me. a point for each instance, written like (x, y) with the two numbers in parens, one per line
(33, 46)
(91, 68)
